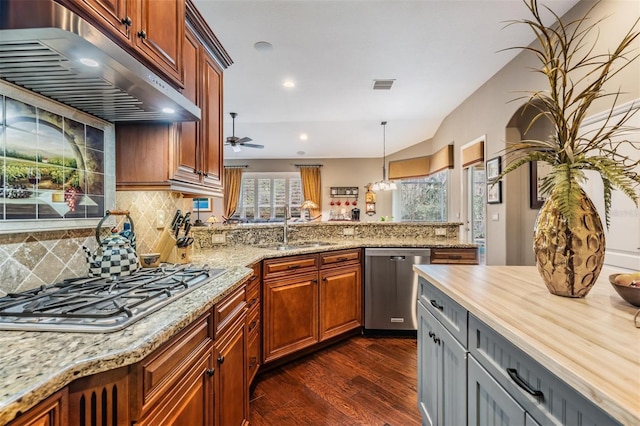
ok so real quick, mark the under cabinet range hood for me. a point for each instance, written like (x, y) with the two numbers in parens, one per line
(44, 48)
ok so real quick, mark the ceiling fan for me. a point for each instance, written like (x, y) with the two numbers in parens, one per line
(235, 142)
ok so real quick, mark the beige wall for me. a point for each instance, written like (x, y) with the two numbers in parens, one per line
(487, 112)
(334, 172)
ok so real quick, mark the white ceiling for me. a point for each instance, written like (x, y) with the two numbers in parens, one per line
(438, 51)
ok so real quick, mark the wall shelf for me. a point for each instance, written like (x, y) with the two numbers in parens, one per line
(344, 191)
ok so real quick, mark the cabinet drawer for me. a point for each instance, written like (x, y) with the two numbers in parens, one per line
(292, 264)
(554, 401)
(253, 294)
(255, 277)
(446, 310)
(340, 257)
(228, 309)
(253, 357)
(165, 365)
(464, 256)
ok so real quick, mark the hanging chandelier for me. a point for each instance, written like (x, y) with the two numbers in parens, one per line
(384, 184)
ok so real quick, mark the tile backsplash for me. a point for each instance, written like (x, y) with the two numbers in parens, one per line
(31, 259)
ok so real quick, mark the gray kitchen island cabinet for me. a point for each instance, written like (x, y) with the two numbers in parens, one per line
(468, 373)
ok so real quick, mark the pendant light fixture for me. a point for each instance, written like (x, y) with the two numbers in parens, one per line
(384, 185)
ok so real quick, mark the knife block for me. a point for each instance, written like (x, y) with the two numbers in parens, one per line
(168, 250)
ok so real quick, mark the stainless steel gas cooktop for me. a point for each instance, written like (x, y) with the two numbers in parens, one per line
(100, 304)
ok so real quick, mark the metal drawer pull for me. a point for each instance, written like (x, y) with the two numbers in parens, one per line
(342, 259)
(432, 334)
(513, 373)
(293, 266)
(455, 256)
(252, 325)
(397, 258)
(252, 302)
(435, 305)
(254, 362)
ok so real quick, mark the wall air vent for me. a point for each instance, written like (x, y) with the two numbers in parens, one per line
(383, 84)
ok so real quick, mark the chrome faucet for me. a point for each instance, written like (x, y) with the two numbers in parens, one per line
(285, 229)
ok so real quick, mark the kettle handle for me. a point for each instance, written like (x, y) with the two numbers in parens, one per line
(115, 213)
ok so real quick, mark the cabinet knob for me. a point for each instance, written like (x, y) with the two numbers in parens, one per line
(126, 21)
(220, 359)
(210, 371)
(142, 34)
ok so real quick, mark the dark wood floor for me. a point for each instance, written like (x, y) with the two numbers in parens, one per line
(361, 381)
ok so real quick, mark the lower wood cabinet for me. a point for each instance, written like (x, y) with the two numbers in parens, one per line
(309, 299)
(232, 401)
(460, 256)
(53, 411)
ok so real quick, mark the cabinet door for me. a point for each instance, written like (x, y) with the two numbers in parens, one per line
(190, 401)
(340, 301)
(428, 368)
(53, 411)
(442, 373)
(210, 145)
(114, 15)
(186, 167)
(232, 395)
(290, 315)
(489, 403)
(159, 34)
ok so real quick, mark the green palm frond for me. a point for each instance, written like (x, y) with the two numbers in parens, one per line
(576, 76)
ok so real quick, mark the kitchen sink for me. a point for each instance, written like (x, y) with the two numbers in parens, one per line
(296, 245)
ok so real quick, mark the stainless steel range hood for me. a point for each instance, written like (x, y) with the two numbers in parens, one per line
(42, 51)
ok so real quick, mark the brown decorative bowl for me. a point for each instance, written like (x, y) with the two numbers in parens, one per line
(150, 260)
(630, 293)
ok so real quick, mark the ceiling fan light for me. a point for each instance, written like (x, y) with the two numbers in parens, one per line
(235, 148)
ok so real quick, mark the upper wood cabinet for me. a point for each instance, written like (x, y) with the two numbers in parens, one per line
(152, 30)
(185, 157)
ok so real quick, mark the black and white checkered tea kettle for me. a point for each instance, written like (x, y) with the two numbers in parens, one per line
(116, 255)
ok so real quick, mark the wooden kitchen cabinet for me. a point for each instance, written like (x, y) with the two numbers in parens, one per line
(254, 324)
(151, 30)
(53, 411)
(340, 301)
(460, 256)
(305, 303)
(290, 314)
(232, 395)
(184, 157)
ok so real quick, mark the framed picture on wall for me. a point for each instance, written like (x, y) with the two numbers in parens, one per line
(494, 192)
(493, 168)
(202, 204)
(537, 171)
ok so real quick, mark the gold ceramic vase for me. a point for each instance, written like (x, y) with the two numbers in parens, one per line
(569, 257)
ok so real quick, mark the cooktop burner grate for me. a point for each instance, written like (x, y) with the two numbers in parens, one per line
(99, 304)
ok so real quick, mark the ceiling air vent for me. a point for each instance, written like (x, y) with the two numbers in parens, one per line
(383, 84)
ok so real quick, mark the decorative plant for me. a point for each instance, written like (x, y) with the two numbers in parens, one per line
(576, 77)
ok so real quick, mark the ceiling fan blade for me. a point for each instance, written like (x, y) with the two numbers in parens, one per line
(253, 145)
(245, 139)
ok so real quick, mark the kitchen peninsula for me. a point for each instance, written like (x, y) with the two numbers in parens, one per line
(584, 351)
(36, 365)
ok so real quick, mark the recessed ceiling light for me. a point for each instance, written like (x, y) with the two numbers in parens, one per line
(301, 153)
(167, 110)
(289, 84)
(89, 62)
(263, 46)
(304, 136)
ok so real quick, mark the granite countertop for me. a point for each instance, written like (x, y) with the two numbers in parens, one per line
(34, 365)
(590, 343)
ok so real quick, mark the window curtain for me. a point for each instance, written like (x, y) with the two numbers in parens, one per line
(312, 188)
(233, 183)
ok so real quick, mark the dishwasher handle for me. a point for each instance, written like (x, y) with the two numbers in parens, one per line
(397, 258)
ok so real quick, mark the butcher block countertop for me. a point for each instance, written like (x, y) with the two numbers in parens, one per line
(591, 343)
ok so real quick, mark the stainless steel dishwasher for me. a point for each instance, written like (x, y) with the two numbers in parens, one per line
(391, 289)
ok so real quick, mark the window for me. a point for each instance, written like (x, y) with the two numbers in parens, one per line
(264, 195)
(423, 199)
